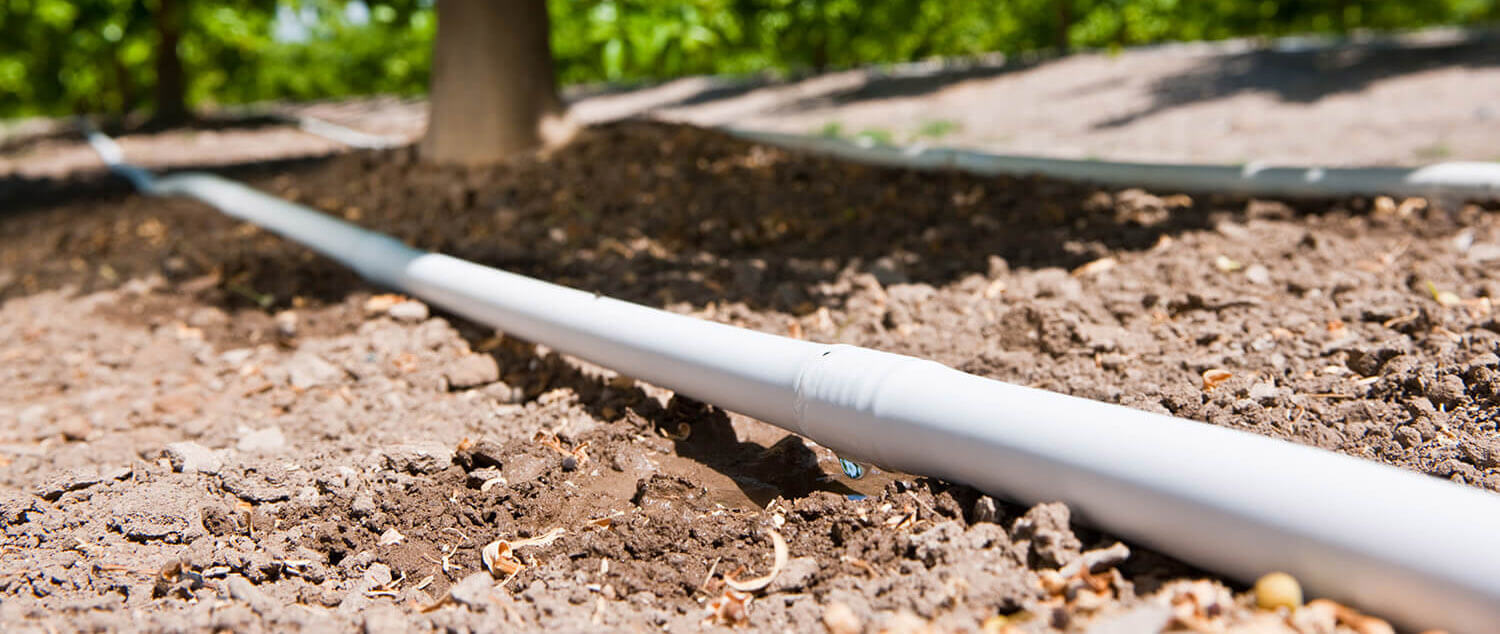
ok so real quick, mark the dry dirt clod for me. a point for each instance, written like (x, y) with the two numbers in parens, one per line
(191, 457)
(391, 536)
(1352, 618)
(409, 311)
(839, 618)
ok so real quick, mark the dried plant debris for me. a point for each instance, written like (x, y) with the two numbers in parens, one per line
(780, 555)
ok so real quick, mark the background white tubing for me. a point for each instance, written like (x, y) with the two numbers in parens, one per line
(1472, 180)
(1419, 550)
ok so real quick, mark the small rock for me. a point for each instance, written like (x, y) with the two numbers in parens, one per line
(206, 317)
(1484, 252)
(1264, 391)
(476, 590)
(408, 311)
(306, 370)
(796, 575)
(1258, 274)
(1046, 527)
(418, 457)
(503, 393)
(75, 428)
(385, 619)
(1146, 617)
(377, 575)
(1408, 436)
(1483, 453)
(839, 618)
(985, 510)
(471, 371)
(363, 504)
(391, 536)
(1446, 390)
(286, 323)
(262, 440)
(236, 356)
(32, 416)
(481, 454)
(191, 457)
(240, 589)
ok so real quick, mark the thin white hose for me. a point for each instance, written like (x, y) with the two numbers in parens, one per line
(1413, 548)
(1471, 180)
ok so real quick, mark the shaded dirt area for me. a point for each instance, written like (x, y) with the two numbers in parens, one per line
(205, 427)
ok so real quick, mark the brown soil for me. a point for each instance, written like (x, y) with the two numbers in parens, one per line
(347, 463)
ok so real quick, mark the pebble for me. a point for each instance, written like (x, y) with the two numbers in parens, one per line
(385, 619)
(417, 457)
(1264, 391)
(839, 618)
(1446, 390)
(796, 575)
(408, 311)
(191, 457)
(1278, 590)
(75, 428)
(286, 323)
(474, 590)
(307, 370)
(240, 589)
(262, 440)
(32, 416)
(1258, 274)
(985, 510)
(471, 370)
(1484, 252)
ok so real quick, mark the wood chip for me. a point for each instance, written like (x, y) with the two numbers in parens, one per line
(1212, 378)
(752, 585)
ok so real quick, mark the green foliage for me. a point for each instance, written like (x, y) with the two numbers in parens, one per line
(61, 56)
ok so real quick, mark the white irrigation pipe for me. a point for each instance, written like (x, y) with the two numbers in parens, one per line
(1471, 180)
(1463, 179)
(1421, 550)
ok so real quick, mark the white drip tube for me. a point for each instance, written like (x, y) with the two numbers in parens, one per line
(1416, 549)
(1467, 180)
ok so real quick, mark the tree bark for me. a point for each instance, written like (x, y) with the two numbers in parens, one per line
(1064, 24)
(492, 81)
(171, 83)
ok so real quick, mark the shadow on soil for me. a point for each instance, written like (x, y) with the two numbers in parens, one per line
(653, 213)
(1306, 76)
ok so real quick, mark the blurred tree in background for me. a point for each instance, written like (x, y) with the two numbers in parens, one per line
(111, 56)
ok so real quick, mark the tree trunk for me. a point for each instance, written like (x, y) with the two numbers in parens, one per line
(492, 80)
(1064, 24)
(171, 83)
